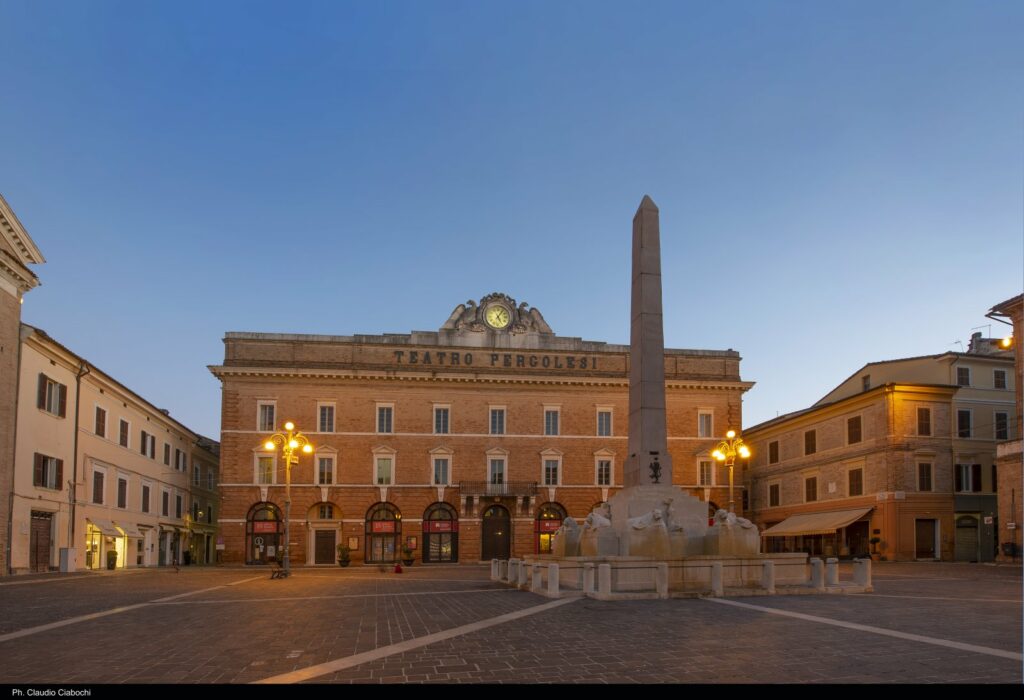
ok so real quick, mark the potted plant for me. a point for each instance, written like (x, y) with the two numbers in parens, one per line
(344, 555)
(874, 546)
(111, 559)
(407, 555)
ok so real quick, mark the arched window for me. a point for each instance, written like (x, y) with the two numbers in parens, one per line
(263, 533)
(549, 519)
(383, 533)
(440, 533)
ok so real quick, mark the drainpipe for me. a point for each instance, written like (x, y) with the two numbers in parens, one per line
(83, 369)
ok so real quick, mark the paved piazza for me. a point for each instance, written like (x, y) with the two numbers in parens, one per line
(924, 623)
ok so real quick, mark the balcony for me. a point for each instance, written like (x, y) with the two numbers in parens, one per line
(509, 488)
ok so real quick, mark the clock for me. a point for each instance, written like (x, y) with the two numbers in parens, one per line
(497, 316)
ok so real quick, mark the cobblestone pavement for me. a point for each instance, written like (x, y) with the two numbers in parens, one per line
(954, 623)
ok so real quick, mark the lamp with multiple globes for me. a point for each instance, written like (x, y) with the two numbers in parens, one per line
(289, 442)
(726, 452)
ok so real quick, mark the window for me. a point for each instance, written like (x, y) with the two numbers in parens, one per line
(604, 423)
(385, 414)
(209, 513)
(101, 422)
(145, 498)
(1002, 425)
(165, 503)
(963, 423)
(52, 396)
(924, 476)
(707, 472)
(604, 472)
(195, 511)
(924, 421)
(551, 421)
(774, 491)
(773, 452)
(265, 415)
(853, 430)
(383, 471)
(963, 376)
(325, 470)
(865, 382)
(326, 418)
(995, 479)
(968, 478)
(810, 442)
(147, 444)
(122, 438)
(197, 475)
(326, 511)
(167, 454)
(47, 472)
(999, 378)
(122, 493)
(497, 421)
(704, 424)
(264, 470)
(441, 420)
(855, 482)
(97, 486)
(209, 479)
(810, 489)
(177, 505)
(179, 460)
(497, 471)
(551, 472)
(440, 471)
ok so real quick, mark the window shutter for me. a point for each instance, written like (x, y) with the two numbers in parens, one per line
(41, 392)
(959, 486)
(62, 408)
(60, 474)
(975, 477)
(37, 469)
(142, 442)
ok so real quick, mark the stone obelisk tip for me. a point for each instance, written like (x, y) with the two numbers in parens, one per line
(647, 203)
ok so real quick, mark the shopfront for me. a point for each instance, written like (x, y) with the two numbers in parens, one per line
(383, 533)
(264, 531)
(104, 545)
(549, 519)
(440, 534)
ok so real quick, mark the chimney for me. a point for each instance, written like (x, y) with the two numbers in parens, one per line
(975, 346)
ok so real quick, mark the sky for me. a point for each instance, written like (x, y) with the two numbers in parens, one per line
(839, 183)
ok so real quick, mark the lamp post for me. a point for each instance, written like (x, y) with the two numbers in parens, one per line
(726, 452)
(288, 443)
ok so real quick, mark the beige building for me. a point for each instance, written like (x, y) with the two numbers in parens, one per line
(102, 475)
(17, 252)
(903, 451)
(1008, 452)
(205, 499)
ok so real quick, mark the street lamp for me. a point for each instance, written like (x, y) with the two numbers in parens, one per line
(288, 444)
(726, 452)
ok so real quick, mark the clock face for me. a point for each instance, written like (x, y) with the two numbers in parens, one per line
(497, 316)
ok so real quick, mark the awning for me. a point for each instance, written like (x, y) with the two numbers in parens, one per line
(815, 523)
(170, 528)
(130, 529)
(105, 526)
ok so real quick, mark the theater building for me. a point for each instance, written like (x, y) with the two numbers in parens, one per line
(471, 442)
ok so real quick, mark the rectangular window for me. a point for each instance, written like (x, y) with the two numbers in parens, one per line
(604, 423)
(101, 422)
(497, 472)
(385, 414)
(773, 452)
(265, 416)
(326, 511)
(604, 472)
(52, 396)
(197, 475)
(963, 376)
(963, 423)
(853, 430)
(325, 470)
(865, 382)
(810, 442)
(774, 491)
(195, 511)
(265, 470)
(999, 378)
(924, 476)
(167, 454)
(551, 472)
(497, 421)
(810, 489)
(180, 461)
(924, 421)
(97, 487)
(165, 503)
(143, 441)
(122, 439)
(383, 471)
(326, 418)
(440, 471)
(706, 473)
(122, 493)
(48, 472)
(145, 498)
(704, 427)
(209, 514)
(209, 479)
(147, 444)
(968, 478)
(177, 506)
(440, 420)
(856, 482)
(551, 421)
(1002, 425)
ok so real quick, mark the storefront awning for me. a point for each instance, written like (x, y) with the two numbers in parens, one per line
(105, 526)
(815, 523)
(130, 529)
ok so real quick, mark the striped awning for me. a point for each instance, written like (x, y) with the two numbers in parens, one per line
(815, 523)
(105, 526)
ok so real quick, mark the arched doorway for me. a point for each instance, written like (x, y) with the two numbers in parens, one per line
(383, 532)
(263, 533)
(549, 519)
(324, 525)
(440, 533)
(712, 509)
(497, 533)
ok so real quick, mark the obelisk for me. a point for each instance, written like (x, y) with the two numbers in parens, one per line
(648, 461)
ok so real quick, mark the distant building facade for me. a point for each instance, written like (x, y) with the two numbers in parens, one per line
(1009, 454)
(902, 451)
(204, 496)
(464, 444)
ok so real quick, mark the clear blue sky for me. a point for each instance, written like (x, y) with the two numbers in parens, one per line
(839, 182)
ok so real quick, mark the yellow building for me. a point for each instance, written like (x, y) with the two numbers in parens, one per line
(1009, 455)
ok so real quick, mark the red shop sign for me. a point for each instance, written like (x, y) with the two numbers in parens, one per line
(549, 525)
(382, 525)
(264, 526)
(440, 526)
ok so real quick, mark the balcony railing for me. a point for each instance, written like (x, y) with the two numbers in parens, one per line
(509, 488)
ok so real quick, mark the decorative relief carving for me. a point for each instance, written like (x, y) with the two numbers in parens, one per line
(473, 317)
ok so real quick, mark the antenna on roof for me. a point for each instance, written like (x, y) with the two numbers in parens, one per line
(960, 343)
(987, 325)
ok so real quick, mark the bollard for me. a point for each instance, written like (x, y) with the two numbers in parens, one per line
(717, 589)
(661, 580)
(768, 576)
(817, 574)
(552, 580)
(524, 574)
(510, 573)
(588, 578)
(604, 579)
(831, 571)
(494, 569)
(502, 570)
(862, 572)
(537, 582)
